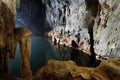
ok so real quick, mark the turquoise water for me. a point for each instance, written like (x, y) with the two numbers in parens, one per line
(42, 51)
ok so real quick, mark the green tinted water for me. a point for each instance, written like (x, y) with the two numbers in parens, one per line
(42, 51)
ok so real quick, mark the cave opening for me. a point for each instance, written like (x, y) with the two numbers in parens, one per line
(31, 14)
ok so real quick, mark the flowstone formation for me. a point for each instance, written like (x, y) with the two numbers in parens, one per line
(10, 37)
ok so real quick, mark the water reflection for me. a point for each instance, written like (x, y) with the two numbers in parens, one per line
(67, 53)
(43, 50)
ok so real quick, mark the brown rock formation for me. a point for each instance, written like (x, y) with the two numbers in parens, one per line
(7, 43)
(22, 36)
(62, 70)
(10, 37)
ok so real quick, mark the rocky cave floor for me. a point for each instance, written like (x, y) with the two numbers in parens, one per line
(62, 70)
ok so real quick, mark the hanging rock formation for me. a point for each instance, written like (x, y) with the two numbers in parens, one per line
(92, 24)
(10, 37)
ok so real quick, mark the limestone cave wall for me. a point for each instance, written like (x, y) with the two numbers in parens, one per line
(92, 24)
(10, 37)
(106, 29)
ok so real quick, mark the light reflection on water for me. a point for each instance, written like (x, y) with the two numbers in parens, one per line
(42, 51)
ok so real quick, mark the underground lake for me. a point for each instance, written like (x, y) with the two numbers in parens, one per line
(42, 50)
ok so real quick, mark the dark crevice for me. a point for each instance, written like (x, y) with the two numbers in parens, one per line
(93, 55)
(93, 7)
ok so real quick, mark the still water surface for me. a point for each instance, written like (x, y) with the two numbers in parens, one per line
(43, 50)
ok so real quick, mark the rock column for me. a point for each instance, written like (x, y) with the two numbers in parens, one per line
(25, 50)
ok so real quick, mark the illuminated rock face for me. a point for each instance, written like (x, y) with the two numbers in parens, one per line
(62, 70)
(10, 37)
(106, 29)
(70, 20)
(87, 22)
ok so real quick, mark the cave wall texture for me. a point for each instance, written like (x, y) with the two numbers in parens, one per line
(91, 23)
(10, 37)
(7, 25)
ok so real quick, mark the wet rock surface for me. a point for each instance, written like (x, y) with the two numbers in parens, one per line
(62, 70)
(91, 24)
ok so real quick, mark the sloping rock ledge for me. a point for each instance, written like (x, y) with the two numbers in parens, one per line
(68, 70)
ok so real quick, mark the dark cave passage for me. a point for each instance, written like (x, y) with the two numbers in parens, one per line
(31, 14)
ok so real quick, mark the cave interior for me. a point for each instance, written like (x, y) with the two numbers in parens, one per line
(53, 39)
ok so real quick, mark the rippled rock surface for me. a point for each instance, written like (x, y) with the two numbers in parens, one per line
(62, 70)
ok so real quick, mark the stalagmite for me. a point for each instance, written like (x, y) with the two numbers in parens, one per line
(24, 40)
(25, 55)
